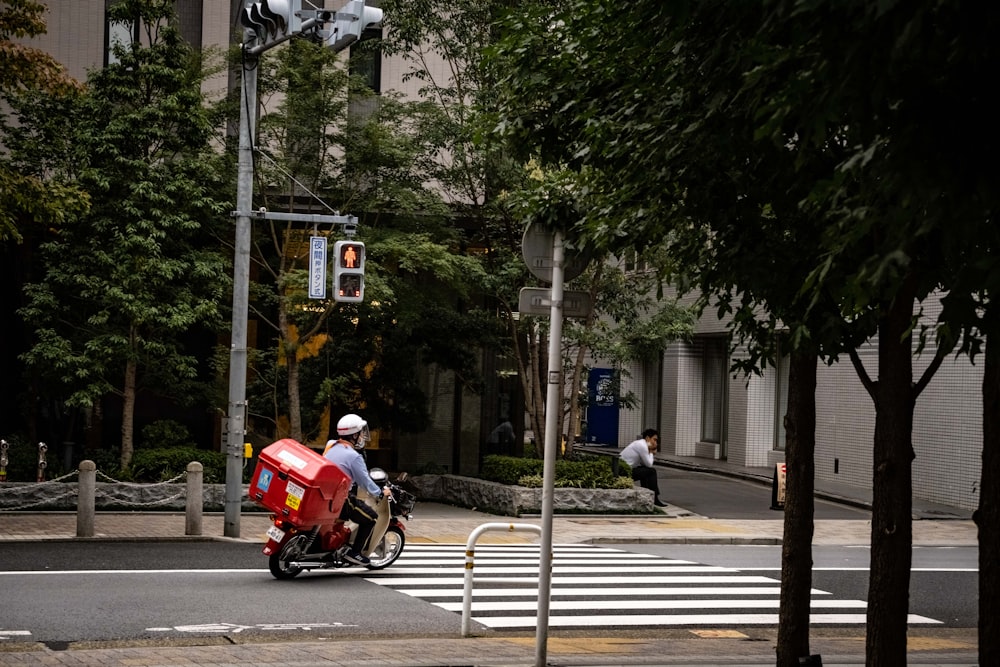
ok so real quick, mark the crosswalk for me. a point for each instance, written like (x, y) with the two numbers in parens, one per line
(595, 586)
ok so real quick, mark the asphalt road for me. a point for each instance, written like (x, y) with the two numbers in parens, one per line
(720, 497)
(135, 591)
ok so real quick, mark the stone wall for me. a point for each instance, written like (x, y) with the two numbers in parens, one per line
(451, 489)
(518, 500)
(113, 496)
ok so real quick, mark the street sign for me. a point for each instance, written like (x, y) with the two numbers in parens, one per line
(538, 301)
(317, 267)
(536, 248)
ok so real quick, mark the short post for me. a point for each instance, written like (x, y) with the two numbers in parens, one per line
(195, 502)
(85, 498)
(42, 448)
(3, 460)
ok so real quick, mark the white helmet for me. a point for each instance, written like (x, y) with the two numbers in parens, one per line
(353, 425)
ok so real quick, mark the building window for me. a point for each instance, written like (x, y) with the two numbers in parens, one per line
(117, 34)
(714, 388)
(634, 262)
(780, 397)
(366, 59)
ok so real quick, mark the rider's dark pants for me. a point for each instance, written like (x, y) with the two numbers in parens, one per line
(362, 514)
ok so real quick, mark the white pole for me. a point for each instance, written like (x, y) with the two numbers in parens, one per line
(470, 557)
(553, 402)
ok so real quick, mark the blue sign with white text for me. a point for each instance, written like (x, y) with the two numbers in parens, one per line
(602, 407)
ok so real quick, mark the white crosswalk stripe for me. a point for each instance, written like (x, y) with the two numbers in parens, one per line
(595, 586)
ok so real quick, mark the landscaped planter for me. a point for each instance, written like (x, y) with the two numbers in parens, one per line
(519, 500)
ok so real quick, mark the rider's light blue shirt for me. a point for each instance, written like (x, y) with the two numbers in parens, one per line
(352, 463)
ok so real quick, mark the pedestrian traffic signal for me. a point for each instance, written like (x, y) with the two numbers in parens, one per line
(270, 20)
(349, 271)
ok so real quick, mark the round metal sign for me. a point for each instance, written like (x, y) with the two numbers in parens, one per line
(537, 246)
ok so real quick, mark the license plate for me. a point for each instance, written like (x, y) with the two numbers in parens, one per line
(275, 533)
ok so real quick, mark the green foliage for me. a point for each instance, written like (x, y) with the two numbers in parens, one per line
(509, 469)
(165, 434)
(27, 195)
(589, 473)
(128, 283)
(160, 465)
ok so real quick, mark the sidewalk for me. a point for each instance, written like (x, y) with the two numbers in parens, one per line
(934, 525)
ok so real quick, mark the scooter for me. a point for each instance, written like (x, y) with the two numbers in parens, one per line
(293, 548)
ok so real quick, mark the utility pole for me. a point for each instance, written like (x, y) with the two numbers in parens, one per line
(236, 423)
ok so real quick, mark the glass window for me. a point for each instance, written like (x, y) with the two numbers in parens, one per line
(366, 59)
(118, 33)
(781, 397)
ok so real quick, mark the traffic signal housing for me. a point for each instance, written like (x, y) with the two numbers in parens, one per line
(349, 271)
(270, 20)
(351, 21)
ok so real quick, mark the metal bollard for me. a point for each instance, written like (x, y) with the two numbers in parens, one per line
(3, 460)
(470, 555)
(42, 448)
(194, 501)
(85, 500)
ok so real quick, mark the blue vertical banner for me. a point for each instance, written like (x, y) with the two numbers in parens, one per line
(317, 267)
(602, 407)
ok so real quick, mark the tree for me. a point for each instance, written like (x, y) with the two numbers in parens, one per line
(499, 193)
(24, 68)
(127, 281)
(325, 136)
(628, 321)
(734, 136)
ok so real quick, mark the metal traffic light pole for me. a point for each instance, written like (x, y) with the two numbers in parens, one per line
(236, 423)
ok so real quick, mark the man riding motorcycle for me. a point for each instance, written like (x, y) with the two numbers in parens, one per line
(345, 453)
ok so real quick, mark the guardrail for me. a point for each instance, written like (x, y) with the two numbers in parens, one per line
(24, 496)
(470, 553)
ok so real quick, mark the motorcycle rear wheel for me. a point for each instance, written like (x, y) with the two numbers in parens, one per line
(387, 551)
(280, 561)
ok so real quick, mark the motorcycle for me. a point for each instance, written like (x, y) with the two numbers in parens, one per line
(293, 548)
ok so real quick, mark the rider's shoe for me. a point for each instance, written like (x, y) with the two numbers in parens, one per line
(353, 556)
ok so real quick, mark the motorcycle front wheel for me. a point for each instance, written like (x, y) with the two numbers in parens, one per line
(280, 562)
(387, 551)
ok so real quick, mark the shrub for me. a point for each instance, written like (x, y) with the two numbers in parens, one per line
(159, 465)
(589, 473)
(165, 434)
(509, 469)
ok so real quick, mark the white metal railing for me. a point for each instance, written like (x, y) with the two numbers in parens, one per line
(470, 554)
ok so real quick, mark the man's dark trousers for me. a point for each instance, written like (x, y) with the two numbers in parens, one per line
(646, 477)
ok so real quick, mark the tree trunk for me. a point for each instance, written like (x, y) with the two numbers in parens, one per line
(538, 371)
(988, 515)
(579, 382)
(294, 400)
(128, 413)
(288, 349)
(574, 403)
(892, 530)
(796, 545)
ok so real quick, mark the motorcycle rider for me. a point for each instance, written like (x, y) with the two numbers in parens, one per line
(345, 453)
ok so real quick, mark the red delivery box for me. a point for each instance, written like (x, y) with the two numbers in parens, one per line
(295, 482)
